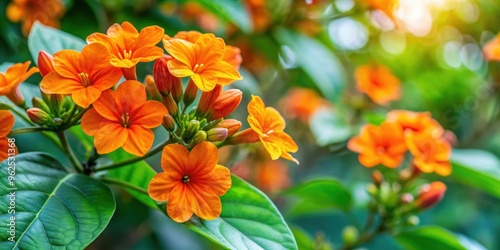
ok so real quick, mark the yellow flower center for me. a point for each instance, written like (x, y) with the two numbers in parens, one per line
(127, 54)
(268, 133)
(198, 67)
(126, 120)
(84, 77)
(185, 179)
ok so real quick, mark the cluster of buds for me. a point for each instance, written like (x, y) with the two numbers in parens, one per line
(52, 111)
(192, 124)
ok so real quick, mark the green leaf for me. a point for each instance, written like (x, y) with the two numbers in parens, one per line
(428, 237)
(51, 40)
(477, 168)
(53, 208)
(328, 127)
(230, 10)
(249, 220)
(320, 64)
(304, 241)
(138, 174)
(329, 194)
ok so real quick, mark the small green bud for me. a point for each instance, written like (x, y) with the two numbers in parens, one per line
(199, 137)
(413, 221)
(217, 134)
(372, 189)
(39, 103)
(350, 235)
(192, 128)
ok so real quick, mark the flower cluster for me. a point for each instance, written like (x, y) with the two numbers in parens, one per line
(86, 88)
(402, 131)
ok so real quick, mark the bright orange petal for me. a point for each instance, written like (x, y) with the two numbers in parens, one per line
(67, 63)
(273, 120)
(7, 121)
(272, 147)
(86, 96)
(178, 206)
(101, 38)
(217, 181)
(223, 70)
(209, 49)
(107, 106)
(124, 63)
(92, 122)
(149, 36)
(161, 186)
(94, 57)
(204, 82)
(174, 160)
(392, 161)
(369, 160)
(206, 205)
(181, 50)
(139, 140)
(5, 148)
(179, 69)
(53, 83)
(131, 94)
(147, 53)
(203, 158)
(109, 138)
(150, 115)
(105, 78)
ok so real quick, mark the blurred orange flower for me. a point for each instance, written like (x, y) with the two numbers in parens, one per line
(202, 61)
(129, 47)
(6, 124)
(379, 145)
(47, 12)
(386, 6)
(191, 182)
(430, 154)
(15, 75)
(192, 11)
(83, 75)
(491, 49)
(430, 195)
(378, 83)
(269, 125)
(261, 18)
(417, 122)
(123, 119)
(302, 103)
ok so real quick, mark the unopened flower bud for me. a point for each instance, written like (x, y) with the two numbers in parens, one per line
(377, 178)
(430, 195)
(199, 137)
(231, 125)
(217, 134)
(168, 122)
(207, 100)
(165, 81)
(44, 63)
(190, 94)
(169, 102)
(38, 116)
(39, 103)
(56, 101)
(412, 221)
(192, 128)
(350, 235)
(406, 198)
(151, 91)
(225, 104)
(246, 136)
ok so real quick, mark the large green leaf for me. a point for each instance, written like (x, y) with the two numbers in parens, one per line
(477, 168)
(249, 220)
(428, 237)
(320, 64)
(51, 40)
(230, 10)
(320, 195)
(52, 208)
(138, 174)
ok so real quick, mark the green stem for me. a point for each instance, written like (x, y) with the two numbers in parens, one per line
(123, 184)
(151, 152)
(69, 152)
(78, 117)
(71, 113)
(27, 130)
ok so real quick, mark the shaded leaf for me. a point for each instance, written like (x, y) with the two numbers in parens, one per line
(428, 237)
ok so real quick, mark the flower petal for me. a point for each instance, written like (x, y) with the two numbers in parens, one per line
(209, 48)
(4, 149)
(131, 95)
(53, 83)
(179, 69)
(149, 36)
(178, 206)
(204, 204)
(369, 160)
(109, 138)
(181, 50)
(86, 96)
(7, 121)
(174, 160)
(147, 53)
(150, 115)
(94, 57)
(202, 159)
(205, 82)
(92, 122)
(139, 140)
(67, 63)
(161, 186)
(105, 78)
(217, 181)
(101, 38)
(107, 106)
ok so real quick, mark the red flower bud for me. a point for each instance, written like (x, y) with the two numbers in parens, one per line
(165, 81)
(430, 195)
(231, 125)
(225, 104)
(44, 63)
(38, 116)
(246, 136)
(168, 122)
(207, 100)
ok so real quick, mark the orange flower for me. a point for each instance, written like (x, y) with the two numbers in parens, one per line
(268, 125)
(379, 145)
(272, 176)
(47, 12)
(386, 6)
(123, 119)
(202, 61)
(430, 154)
(260, 15)
(302, 103)
(192, 11)
(83, 75)
(417, 122)
(378, 83)
(6, 123)
(129, 47)
(232, 55)
(191, 182)
(491, 49)
(15, 75)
